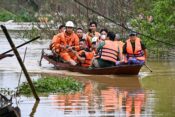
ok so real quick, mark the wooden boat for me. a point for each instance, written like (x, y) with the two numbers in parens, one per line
(116, 70)
(6, 108)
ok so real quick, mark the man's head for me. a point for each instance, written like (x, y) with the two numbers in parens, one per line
(132, 36)
(61, 28)
(117, 37)
(111, 36)
(103, 33)
(69, 27)
(93, 26)
(79, 32)
(82, 44)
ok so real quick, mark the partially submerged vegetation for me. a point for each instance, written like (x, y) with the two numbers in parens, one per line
(52, 85)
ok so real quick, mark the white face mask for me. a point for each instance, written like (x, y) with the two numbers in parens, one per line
(103, 37)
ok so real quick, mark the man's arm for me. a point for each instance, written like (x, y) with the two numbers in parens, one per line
(145, 54)
(76, 41)
(81, 57)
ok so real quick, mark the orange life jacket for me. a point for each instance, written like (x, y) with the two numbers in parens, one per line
(88, 58)
(138, 52)
(109, 51)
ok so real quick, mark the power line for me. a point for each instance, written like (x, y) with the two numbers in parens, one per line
(121, 25)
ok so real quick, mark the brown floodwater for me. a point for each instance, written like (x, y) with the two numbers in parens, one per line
(149, 94)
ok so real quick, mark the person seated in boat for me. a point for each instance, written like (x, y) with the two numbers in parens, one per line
(61, 29)
(80, 34)
(103, 34)
(107, 52)
(120, 44)
(84, 56)
(94, 45)
(134, 50)
(92, 32)
(66, 41)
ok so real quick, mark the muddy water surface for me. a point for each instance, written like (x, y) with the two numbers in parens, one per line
(146, 95)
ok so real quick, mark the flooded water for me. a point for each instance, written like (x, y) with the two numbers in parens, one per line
(150, 94)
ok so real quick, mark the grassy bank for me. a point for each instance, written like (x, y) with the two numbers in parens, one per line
(50, 84)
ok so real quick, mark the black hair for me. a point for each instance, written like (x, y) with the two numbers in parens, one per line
(93, 22)
(79, 29)
(61, 26)
(104, 29)
(111, 36)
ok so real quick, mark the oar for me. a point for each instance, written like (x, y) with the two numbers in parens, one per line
(148, 68)
(22, 45)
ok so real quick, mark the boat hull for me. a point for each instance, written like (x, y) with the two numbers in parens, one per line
(116, 70)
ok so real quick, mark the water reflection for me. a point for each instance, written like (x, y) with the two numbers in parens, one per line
(35, 106)
(104, 96)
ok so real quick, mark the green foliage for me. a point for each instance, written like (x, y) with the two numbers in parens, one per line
(6, 91)
(6, 15)
(22, 16)
(162, 26)
(52, 85)
(25, 16)
(34, 32)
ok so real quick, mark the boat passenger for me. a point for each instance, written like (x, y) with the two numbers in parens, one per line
(80, 34)
(134, 50)
(94, 45)
(120, 44)
(84, 56)
(91, 33)
(60, 30)
(65, 42)
(103, 35)
(107, 52)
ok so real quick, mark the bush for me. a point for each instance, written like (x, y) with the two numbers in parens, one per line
(52, 85)
(6, 15)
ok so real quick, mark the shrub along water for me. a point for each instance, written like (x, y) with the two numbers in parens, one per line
(52, 85)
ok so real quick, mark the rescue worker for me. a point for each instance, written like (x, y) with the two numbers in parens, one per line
(134, 50)
(60, 30)
(84, 56)
(107, 52)
(92, 33)
(66, 41)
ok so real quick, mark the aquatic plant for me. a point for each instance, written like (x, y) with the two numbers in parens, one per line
(7, 91)
(52, 85)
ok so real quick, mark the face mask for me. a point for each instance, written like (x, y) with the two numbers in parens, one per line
(103, 37)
